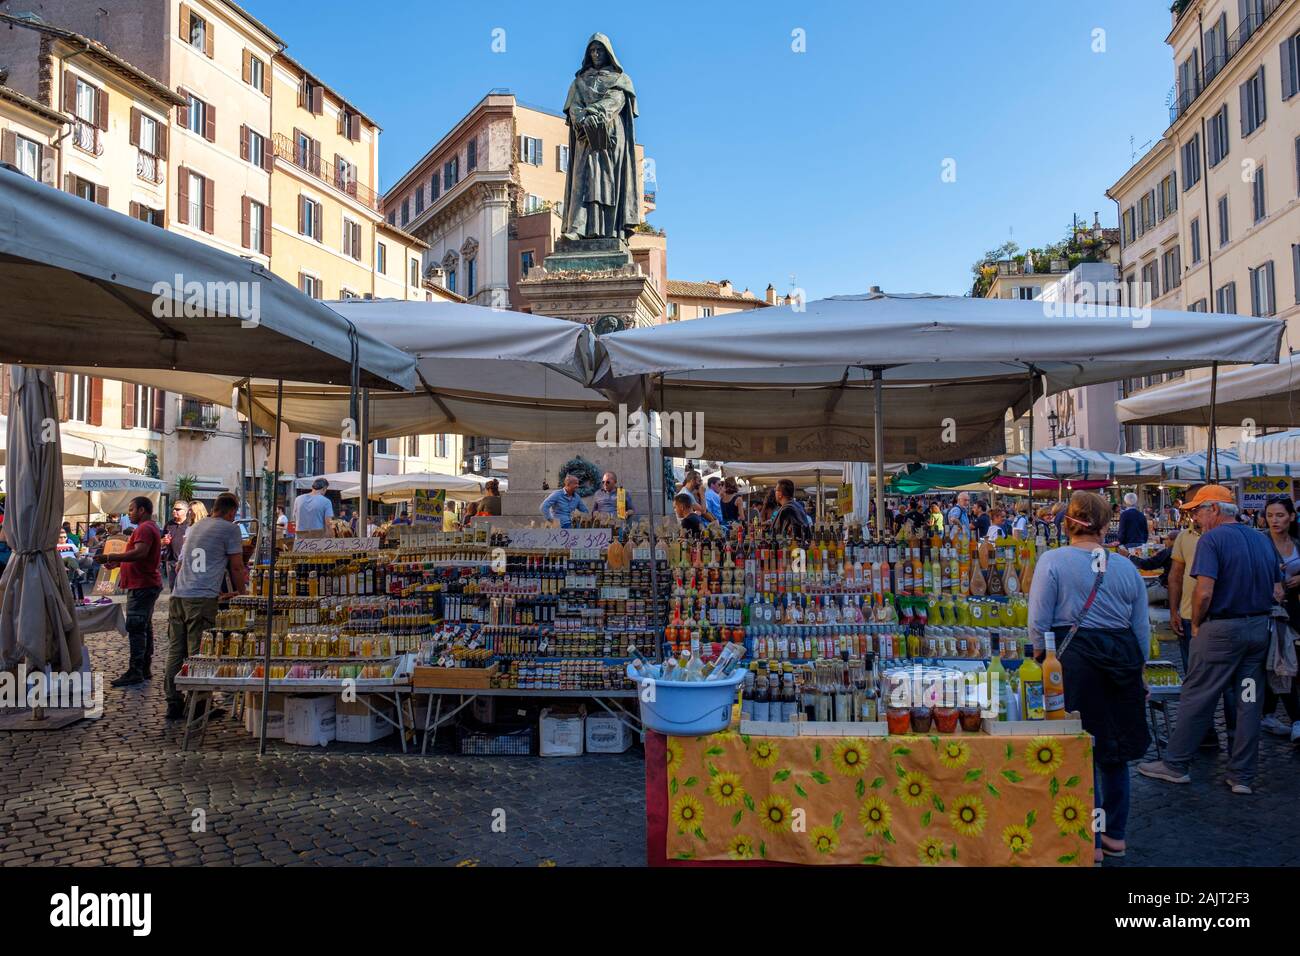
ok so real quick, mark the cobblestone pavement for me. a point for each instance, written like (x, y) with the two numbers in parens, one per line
(118, 791)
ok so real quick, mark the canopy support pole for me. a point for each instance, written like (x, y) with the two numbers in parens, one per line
(252, 458)
(650, 510)
(270, 590)
(1031, 440)
(363, 510)
(1212, 463)
(878, 390)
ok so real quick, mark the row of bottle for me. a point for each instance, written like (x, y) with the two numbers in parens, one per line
(253, 670)
(329, 643)
(318, 576)
(883, 641)
(841, 689)
(833, 558)
(564, 675)
(1030, 691)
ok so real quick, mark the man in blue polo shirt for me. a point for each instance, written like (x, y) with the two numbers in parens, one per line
(1238, 580)
(563, 502)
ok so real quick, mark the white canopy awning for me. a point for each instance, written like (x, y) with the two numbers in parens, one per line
(337, 480)
(1063, 461)
(83, 451)
(76, 278)
(391, 488)
(771, 471)
(1280, 447)
(110, 490)
(795, 383)
(1143, 455)
(1266, 395)
(1193, 467)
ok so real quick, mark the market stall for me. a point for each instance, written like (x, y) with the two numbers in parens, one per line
(137, 297)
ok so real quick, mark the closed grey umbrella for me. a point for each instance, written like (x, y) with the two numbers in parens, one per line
(37, 625)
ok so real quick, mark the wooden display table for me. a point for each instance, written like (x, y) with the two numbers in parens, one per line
(944, 800)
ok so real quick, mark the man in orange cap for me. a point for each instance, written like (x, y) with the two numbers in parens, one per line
(1238, 580)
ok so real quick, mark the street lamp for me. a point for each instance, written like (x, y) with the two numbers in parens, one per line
(1052, 421)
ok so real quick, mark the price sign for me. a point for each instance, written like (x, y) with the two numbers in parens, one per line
(327, 545)
(559, 539)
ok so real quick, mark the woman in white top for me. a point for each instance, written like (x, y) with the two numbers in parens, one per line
(1020, 528)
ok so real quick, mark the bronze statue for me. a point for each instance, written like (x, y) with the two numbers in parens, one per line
(601, 187)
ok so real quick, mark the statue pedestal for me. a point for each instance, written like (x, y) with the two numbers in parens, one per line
(588, 255)
(571, 285)
(586, 280)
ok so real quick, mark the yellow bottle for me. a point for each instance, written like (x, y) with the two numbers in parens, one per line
(1053, 681)
(1031, 687)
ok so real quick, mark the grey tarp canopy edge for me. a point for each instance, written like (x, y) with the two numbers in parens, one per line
(78, 278)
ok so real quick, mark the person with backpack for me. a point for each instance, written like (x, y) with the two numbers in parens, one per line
(790, 518)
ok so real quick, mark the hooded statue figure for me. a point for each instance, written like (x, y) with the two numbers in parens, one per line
(602, 195)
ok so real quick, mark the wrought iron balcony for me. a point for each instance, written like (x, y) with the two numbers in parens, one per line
(86, 136)
(1182, 99)
(310, 162)
(194, 415)
(148, 167)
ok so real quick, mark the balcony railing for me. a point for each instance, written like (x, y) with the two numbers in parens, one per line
(1182, 99)
(86, 136)
(310, 162)
(193, 415)
(148, 167)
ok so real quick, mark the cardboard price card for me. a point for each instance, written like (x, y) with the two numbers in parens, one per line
(556, 539)
(327, 545)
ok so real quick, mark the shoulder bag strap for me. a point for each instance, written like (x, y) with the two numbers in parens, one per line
(1083, 611)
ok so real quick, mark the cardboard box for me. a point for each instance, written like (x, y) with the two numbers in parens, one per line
(358, 724)
(454, 677)
(310, 720)
(274, 715)
(561, 731)
(606, 734)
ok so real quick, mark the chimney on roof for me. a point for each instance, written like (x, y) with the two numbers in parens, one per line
(725, 287)
(770, 295)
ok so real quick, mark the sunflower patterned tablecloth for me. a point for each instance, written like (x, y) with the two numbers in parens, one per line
(951, 800)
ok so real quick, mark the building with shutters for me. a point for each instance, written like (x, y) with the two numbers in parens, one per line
(325, 155)
(29, 132)
(205, 57)
(223, 123)
(466, 197)
(81, 117)
(1210, 215)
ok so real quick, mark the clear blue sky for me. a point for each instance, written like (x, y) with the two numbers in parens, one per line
(824, 164)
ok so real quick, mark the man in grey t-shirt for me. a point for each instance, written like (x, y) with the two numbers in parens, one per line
(212, 547)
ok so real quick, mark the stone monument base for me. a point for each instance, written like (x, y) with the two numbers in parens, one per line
(592, 281)
(588, 255)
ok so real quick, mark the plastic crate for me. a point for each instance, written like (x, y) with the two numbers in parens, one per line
(496, 743)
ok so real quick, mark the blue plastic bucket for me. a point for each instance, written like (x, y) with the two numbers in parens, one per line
(687, 709)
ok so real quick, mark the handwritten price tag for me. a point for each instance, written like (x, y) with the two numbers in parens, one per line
(558, 539)
(326, 545)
